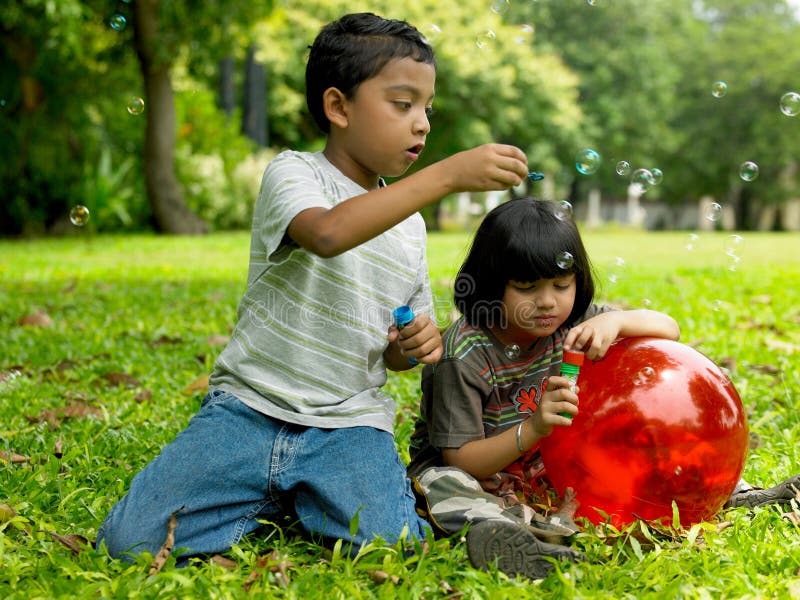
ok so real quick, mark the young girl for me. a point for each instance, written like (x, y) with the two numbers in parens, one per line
(525, 293)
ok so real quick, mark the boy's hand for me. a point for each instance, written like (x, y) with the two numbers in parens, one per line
(487, 167)
(420, 340)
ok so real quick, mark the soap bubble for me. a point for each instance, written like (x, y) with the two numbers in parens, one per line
(719, 89)
(587, 161)
(691, 241)
(512, 351)
(657, 175)
(748, 170)
(617, 271)
(623, 168)
(592, 2)
(734, 244)
(524, 34)
(485, 38)
(790, 104)
(500, 7)
(713, 211)
(565, 260)
(432, 32)
(643, 179)
(117, 22)
(564, 210)
(136, 106)
(644, 376)
(79, 215)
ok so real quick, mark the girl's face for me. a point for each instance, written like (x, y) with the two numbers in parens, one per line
(535, 309)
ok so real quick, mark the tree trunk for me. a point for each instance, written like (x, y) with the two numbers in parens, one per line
(254, 116)
(227, 93)
(164, 193)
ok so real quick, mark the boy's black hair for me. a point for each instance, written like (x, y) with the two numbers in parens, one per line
(520, 240)
(353, 49)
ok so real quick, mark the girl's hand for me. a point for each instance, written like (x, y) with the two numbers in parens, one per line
(595, 335)
(419, 340)
(558, 398)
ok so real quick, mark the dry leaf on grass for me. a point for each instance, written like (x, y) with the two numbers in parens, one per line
(380, 577)
(75, 410)
(13, 457)
(225, 563)
(36, 319)
(163, 340)
(272, 562)
(198, 385)
(75, 543)
(166, 548)
(120, 379)
(11, 373)
(7, 513)
(218, 340)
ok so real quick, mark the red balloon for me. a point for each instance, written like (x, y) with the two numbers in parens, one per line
(658, 422)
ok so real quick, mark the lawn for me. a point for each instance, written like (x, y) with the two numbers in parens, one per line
(106, 341)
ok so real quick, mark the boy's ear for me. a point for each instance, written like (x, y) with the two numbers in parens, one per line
(334, 103)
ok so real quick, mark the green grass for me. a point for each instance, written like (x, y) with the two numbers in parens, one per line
(149, 307)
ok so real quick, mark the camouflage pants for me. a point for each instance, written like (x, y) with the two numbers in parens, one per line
(450, 498)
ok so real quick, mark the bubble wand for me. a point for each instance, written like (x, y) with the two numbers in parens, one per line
(403, 315)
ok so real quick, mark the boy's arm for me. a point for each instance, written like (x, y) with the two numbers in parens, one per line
(596, 334)
(328, 232)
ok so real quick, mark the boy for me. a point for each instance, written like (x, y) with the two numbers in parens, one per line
(295, 421)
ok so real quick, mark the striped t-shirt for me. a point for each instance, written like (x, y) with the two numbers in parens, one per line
(309, 340)
(479, 389)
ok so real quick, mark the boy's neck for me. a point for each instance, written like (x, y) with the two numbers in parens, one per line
(350, 168)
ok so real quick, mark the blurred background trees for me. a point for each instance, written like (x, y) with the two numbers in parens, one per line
(221, 85)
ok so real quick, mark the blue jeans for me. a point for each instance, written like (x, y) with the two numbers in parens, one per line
(233, 466)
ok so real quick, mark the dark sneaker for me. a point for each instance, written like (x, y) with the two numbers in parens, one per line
(514, 549)
(783, 494)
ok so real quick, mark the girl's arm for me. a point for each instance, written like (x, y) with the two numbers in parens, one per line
(483, 458)
(596, 334)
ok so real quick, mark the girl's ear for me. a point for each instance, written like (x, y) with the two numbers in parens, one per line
(334, 103)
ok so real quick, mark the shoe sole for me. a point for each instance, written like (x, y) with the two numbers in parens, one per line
(514, 549)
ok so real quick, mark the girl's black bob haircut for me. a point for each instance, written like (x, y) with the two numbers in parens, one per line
(521, 240)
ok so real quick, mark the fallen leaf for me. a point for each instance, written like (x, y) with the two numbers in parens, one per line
(280, 568)
(198, 385)
(166, 548)
(58, 451)
(225, 563)
(782, 346)
(724, 525)
(13, 457)
(11, 373)
(6, 513)
(119, 379)
(75, 410)
(256, 574)
(36, 319)
(768, 369)
(218, 340)
(143, 396)
(379, 577)
(163, 340)
(75, 543)
(729, 362)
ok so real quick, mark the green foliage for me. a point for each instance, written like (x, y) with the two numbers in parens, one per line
(186, 291)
